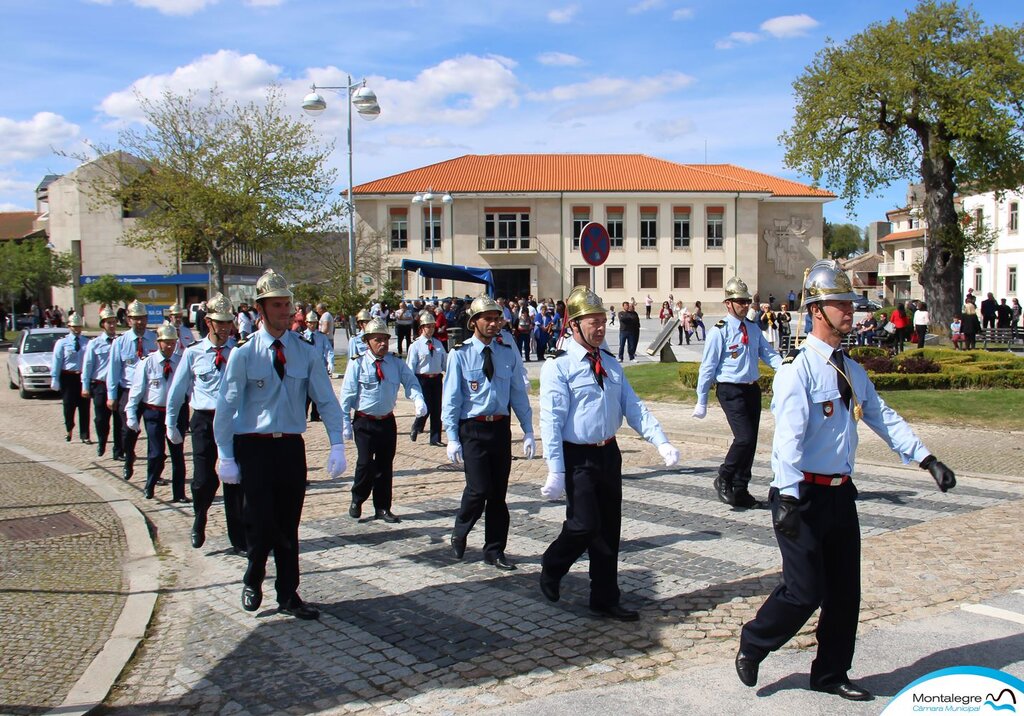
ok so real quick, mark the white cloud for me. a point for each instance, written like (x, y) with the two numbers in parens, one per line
(669, 129)
(737, 38)
(645, 5)
(175, 7)
(7, 206)
(683, 13)
(603, 95)
(34, 138)
(240, 77)
(561, 16)
(789, 25)
(559, 59)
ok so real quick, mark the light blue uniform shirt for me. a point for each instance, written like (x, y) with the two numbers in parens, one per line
(356, 346)
(727, 359)
(197, 377)
(467, 393)
(96, 363)
(422, 360)
(65, 357)
(253, 399)
(149, 385)
(815, 431)
(323, 345)
(575, 409)
(361, 389)
(124, 358)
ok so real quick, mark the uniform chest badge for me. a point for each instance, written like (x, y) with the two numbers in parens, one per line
(828, 407)
(474, 385)
(259, 383)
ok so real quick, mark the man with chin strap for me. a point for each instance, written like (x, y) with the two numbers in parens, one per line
(482, 380)
(260, 418)
(731, 352)
(819, 395)
(584, 396)
(94, 376)
(126, 352)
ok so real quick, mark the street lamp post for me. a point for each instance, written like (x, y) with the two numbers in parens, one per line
(428, 197)
(365, 101)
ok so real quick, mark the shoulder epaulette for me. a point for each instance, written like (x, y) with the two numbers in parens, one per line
(720, 323)
(607, 352)
(461, 346)
(557, 354)
(791, 356)
(241, 342)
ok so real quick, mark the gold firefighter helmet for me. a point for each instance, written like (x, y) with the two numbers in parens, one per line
(376, 327)
(583, 302)
(363, 316)
(106, 313)
(482, 304)
(136, 309)
(167, 332)
(826, 281)
(427, 319)
(218, 308)
(272, 285)
(735, 288)
(311, 316)
(175, 310)
(75, 320)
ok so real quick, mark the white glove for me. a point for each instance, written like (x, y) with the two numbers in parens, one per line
(529, 446)
(336, 463)
(421, 408)
(454, 452)
(174, 436)
(227, 471)
(669, 453)
(554, 488)
(700, 410)
(54, 385)
(346, 428)
(133, 424)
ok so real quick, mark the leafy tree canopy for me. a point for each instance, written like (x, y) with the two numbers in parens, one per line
(842, 240)
(28, 268)
(108, 290)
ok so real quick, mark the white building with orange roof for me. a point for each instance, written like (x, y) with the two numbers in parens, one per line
(679, 229)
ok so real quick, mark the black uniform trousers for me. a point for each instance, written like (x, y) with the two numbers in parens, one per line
(205, 481)
(128, 437)
(71, 397)
(821, 567)
(431, 388)
(487, 456)
(375, 457)
(157, 447)
(593, 519)
(741, 403)
(101, 413)
(273, 474)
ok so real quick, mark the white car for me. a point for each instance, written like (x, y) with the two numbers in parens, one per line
(29, 360)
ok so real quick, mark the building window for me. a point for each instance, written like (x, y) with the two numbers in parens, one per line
(402, 280)
(581, 277)
(614, 277)
(681, 277)
(431, 230)
(681, 227)
(613, 220)
(979, 219)
(977, 280)
(433, 285)
(715, 277)
(716, 227)
(399, 230)
(506, 229)
(1012, 220)
(648, 227)
(580, 218)
(649, 277)
(1011, 280)
(901, 256)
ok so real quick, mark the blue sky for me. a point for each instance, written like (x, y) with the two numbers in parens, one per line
(676, 80)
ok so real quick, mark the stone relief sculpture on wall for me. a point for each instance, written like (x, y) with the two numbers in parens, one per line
(787, 244)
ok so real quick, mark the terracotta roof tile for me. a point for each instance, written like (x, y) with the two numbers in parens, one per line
(16, 224)
(898, 235)
(494, 173)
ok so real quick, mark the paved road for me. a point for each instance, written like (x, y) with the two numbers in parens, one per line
(407, 629)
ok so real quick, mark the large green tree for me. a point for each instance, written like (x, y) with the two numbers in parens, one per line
(107, 290)
(842, 240)
(28, 268)
(205, 177)
(935, 98)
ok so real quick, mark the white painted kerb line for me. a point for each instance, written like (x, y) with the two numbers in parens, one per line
(994, 612)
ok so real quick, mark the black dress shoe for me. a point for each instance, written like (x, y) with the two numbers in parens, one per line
(550, 587)
(86, 441)
(355, 510)
(501, 562)
(387, 516)
(118, 457)
(413, 434)
(182, 501)
(744, 500)
(198, 537)
(127, 471)
(724, 491)
(67, 438)
(240, 552)
(458, 547)
(299, 609)
(746, 668)
(252, 598)
(845, 689)
(437, 443)
(616, 611)
(162, 482)
(100, 449)
(148, 492)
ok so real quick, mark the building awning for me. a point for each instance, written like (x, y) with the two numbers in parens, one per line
(451, 272)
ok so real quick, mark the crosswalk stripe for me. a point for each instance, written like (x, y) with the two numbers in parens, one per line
(995, 612)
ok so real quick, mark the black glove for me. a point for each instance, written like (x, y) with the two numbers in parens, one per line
(786, 516)
(944, 477)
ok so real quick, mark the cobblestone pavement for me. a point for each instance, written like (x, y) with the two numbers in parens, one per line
(405, 628)
(61, 582)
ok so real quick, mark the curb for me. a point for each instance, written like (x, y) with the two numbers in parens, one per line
(142, 572)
